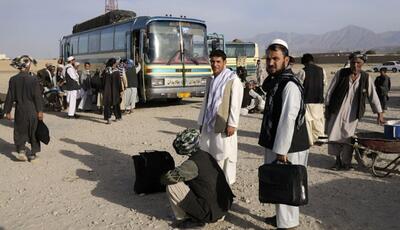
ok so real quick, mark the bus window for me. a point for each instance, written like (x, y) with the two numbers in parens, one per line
(194, 39)
(234, 50)
(94, 41)
(83, 43)
(106, 39)
(164, 43)
(74, 46)
(120, 36)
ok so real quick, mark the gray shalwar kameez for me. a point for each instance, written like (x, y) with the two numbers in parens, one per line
(24, 91)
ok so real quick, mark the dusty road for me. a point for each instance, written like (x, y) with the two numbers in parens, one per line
(84, 177)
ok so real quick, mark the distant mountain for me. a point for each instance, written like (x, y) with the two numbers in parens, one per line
(349, 38)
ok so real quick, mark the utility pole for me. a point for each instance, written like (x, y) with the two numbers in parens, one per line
(111, 5)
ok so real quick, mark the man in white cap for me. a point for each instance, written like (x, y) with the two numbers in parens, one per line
(72, 86)
(283, 131)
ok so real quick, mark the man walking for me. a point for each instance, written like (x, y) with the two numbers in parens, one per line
(383, 85)
(345, 105)
(24, 90)
(219, 115)
(313, 78)
(283, 131)
(72, 86)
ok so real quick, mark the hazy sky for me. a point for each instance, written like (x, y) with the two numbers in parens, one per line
(35, 27)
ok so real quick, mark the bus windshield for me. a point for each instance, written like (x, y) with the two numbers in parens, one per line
(234, 50)
(165, 43)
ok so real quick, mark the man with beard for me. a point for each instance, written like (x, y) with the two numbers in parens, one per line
(24, 91)
(345, 105)
(283, 130)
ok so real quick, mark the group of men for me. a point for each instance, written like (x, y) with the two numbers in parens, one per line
(84, 89)
(293, 120)
(199, 189)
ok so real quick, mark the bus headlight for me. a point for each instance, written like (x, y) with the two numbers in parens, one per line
(203, 81)
(157, 82)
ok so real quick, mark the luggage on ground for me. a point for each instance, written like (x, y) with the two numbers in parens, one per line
(149, 166)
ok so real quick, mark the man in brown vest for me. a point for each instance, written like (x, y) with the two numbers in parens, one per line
(345, 105)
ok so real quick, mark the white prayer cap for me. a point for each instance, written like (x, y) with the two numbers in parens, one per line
(70, 58)
(279, 42)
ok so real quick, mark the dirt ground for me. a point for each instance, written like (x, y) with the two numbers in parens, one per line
(84, 177)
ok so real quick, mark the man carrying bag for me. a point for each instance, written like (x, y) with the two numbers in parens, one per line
(283, 131)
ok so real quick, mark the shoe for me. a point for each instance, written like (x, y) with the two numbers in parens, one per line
(271, 221)
(32, 157)
(338, 165)
(188, 224)
(21, 156)
(108, 122)
(347, 167)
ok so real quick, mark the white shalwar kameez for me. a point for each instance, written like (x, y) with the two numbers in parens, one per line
(223, 148)
(72, 95)
(287, 216)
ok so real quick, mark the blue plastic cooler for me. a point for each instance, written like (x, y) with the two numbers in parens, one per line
(392, 129)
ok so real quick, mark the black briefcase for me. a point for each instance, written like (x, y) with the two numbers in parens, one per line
(283, 184)
(149, 166)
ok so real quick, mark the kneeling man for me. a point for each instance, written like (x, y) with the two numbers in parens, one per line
(197, 189)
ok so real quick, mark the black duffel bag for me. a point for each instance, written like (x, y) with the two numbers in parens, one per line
(283, 183)
(149, 166)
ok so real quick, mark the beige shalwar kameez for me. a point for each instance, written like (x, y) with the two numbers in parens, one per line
(342, 126)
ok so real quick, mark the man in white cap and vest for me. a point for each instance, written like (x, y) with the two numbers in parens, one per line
(283, 130)
(72, 86)
(219, 115)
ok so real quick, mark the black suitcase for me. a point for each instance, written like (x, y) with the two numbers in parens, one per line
(149, 166)
(283, 184)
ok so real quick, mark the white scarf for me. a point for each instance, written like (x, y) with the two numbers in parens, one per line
(214, 98)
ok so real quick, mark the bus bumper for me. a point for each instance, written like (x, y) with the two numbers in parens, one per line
(178, 92)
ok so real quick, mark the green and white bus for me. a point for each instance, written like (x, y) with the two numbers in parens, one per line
(247, 50)
(173, 51)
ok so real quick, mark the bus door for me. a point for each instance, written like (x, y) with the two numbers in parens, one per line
(128, 45)
(143, 47)
(66, 51)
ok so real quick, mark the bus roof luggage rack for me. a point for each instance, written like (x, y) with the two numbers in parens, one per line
(104, 19)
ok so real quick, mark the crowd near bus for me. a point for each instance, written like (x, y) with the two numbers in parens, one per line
(110, 68)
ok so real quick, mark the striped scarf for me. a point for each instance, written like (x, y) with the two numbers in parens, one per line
(214, 97)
